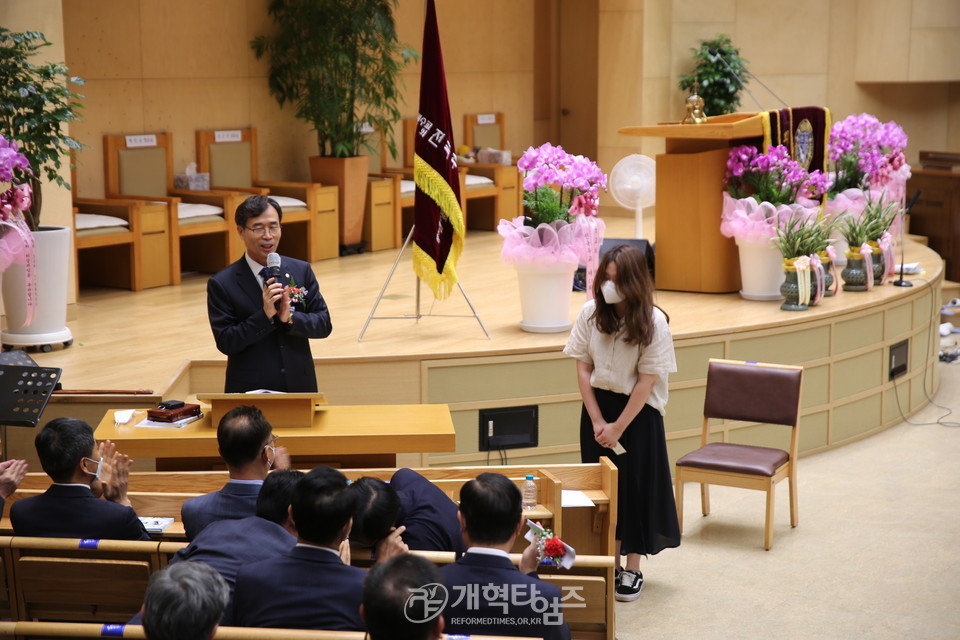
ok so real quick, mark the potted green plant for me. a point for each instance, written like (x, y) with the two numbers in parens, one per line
(35, 104)
(868, 238)
(801, 238)
(717, 85)
(338, 62)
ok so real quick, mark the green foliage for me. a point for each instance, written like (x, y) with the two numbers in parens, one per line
(544, 206)
(338, 62)
(35, 103)
(870, 225)
(718, 88)
(803, 236)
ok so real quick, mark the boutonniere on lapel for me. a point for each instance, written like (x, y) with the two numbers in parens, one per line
(297, 293)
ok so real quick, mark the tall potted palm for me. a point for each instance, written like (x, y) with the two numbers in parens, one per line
(338, 62)
(35, 104)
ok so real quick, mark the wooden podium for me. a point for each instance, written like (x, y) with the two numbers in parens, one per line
(691, 254)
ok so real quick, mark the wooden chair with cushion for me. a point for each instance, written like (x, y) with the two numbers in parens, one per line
(202, 234)
(310, 209)
(751, 392)
(483, 130)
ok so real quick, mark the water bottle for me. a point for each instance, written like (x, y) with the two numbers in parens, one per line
(529, 493)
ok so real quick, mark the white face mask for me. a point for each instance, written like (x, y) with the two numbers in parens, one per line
(95, 474)
(610, 292)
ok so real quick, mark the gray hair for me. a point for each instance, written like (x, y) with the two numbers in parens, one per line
(185, 601)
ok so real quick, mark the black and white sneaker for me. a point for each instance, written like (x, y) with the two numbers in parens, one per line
(629, 585)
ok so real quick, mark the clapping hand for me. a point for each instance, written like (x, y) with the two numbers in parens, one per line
(391, 545)
(11, 474)
(115, 473)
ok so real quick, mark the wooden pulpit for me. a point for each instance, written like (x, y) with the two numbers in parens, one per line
(691, 254)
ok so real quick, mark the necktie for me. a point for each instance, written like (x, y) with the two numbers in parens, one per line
(265, 275)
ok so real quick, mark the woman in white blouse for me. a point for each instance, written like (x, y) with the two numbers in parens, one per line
(624, 354)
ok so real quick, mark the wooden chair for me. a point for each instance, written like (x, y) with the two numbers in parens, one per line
(60, 579)
(203, 236)
(754, 392)
(482, 130)
(310, 209)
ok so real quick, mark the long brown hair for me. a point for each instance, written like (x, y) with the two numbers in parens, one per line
(636, 286)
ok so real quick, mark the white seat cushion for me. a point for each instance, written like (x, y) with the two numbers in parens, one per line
(98, 221)
(407, 187)
(285, 202)
(475, 181)
(186, 210)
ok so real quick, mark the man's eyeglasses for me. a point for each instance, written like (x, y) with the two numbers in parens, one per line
(261, 230)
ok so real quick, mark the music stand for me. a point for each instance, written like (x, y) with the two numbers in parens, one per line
(25, 389)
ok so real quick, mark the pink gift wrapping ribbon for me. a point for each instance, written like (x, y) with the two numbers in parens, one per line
(802, 265)
(889, 257)
(832, 254)
(819, 276)
(867, 252)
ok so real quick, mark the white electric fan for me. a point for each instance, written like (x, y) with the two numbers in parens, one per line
(633, 184)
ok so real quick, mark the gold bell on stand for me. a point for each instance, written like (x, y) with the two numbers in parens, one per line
(695, 114)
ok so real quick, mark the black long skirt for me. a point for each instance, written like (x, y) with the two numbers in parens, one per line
(646, 510)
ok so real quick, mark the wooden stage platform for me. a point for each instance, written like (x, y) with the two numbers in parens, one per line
(159, 339)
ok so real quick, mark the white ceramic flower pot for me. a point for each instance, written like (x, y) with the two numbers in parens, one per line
(545, 292)
(761, 270)
(49, 325)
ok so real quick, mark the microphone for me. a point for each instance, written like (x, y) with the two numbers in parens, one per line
(716, 55)
(273, 264)
(901, 282)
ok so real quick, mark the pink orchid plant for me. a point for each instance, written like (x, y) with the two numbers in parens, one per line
(15, 237)
(867, 154)
(765, 189)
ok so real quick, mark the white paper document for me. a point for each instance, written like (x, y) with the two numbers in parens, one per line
(571, 498)
(176, 424)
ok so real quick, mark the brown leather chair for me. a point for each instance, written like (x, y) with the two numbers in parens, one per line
(751, 392)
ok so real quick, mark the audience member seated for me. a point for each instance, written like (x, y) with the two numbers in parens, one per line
(428, 515)
(184, 602)
(248, 446)
(397, 603)
(11, 475)
(82, 471)
(491, 516)
(227, 545)
(313, 586)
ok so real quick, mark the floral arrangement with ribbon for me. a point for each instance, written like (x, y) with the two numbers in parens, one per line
(551, 550)
(561, 194)
(16, 241)
(762, 189)
(868, 154)
(297, 293)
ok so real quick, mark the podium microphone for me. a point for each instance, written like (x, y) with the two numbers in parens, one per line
(273, 264)
(716, 54)
(901, 282)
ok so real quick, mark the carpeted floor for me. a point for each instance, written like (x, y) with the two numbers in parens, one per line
(875, 554)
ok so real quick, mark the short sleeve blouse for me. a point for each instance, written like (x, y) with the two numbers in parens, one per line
(617, 364)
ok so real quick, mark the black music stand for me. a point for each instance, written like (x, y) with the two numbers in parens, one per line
(25, 389)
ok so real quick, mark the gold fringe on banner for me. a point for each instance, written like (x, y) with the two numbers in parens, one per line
(438, 189)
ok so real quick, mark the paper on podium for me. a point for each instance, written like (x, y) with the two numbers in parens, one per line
(573, 498)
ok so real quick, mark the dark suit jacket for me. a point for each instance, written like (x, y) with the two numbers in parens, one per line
(228, 545)
(479, 569)
(233, 502)
(308, 588)
(72, 512)
(428, 514)
(264, 353)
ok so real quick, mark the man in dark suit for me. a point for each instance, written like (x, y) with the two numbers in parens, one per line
(492, 516)
(228, 545)
(312, 586)
(427, 514)
(248, 446)
(263, 324)
(397, 600)
(81, 471)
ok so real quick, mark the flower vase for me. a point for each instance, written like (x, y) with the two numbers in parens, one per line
(790, 289)
(761, 270)
(879, 266)
(545, 293)
(854, 276)
(827, 275)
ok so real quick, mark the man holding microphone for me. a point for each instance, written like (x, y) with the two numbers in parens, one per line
(264, 308)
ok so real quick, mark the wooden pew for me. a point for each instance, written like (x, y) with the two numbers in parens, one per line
(90, 630)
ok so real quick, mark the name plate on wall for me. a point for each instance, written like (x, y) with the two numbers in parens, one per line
(233, 135)
(486, 118)
(145, 140)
